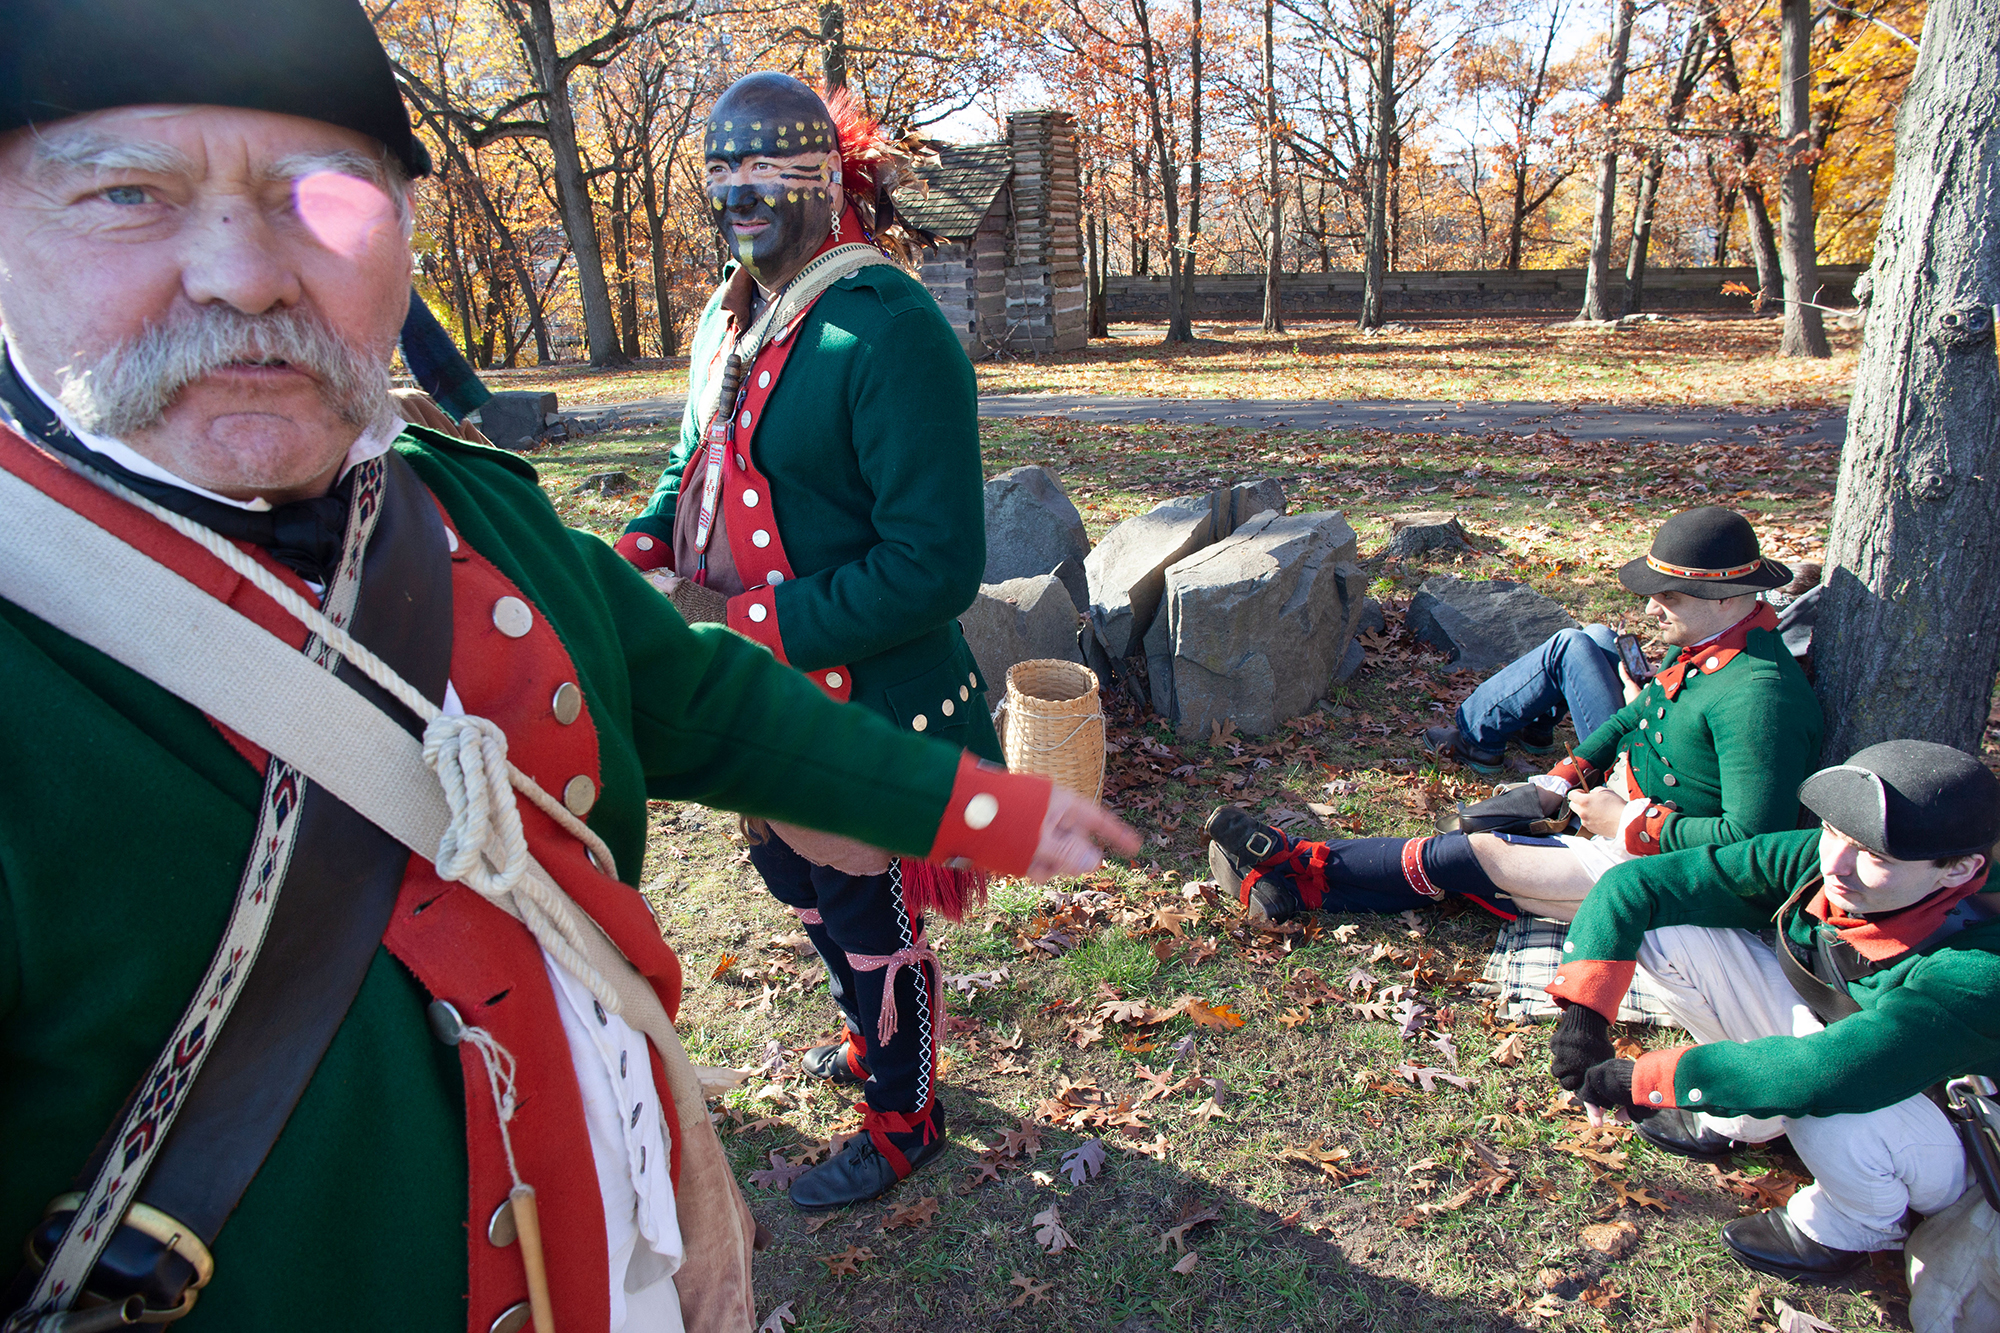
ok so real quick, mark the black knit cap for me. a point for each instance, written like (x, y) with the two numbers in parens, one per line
(1710, 552)
(1910, 800)
(319, 59)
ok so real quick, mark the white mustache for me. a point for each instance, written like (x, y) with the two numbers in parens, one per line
(133, 384)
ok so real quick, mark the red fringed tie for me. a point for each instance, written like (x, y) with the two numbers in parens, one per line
(929, 887)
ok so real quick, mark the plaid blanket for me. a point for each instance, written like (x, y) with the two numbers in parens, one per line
(1525, 959)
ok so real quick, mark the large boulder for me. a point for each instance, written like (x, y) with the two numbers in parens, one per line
(1032, 528)
(1483, 623)
(1127, 570)
(1257, 626)
(1019, 620)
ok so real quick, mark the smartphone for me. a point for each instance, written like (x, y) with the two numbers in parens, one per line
(1634, 658)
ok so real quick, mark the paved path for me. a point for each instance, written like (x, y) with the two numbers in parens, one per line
(1688, 425)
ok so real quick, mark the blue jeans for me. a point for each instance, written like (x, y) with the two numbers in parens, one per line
(1577, 667)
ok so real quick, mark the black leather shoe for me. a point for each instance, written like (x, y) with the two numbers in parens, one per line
(833, 1063)
(1446, 743)
(1237, 845)
(1770, 1243)
(859, 1172)
(1681, 1133)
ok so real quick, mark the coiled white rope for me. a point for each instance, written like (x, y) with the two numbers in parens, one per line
(483, 847)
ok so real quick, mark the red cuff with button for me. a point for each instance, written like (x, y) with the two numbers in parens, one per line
(1653, 1077)
(645, 551)
(1642, 835)
(1598, 984)
(993, 819)
(754, 615)
(1576, 773)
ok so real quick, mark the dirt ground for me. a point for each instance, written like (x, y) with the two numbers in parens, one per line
(1315, 1128)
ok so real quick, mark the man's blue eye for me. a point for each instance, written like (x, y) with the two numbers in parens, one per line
(125, 194)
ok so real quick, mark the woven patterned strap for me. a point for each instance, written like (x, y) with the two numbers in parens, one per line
(915, 954)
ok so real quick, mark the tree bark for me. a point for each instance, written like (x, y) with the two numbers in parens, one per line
(1274, 190)
(1687, 73)
(600, 330)
(1375, 253)
(1804, 335)
(621, 253)
(1909, 632)
(1181, 328)
(833, 44)
(1598, 303)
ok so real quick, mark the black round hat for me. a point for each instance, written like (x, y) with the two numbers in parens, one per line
(314, 58)
(1710, 552)
(1910, 800)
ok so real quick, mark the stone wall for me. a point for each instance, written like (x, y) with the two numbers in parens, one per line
(1044, 277)
(1528, 291)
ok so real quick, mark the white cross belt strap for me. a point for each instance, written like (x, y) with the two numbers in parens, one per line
(59, 566)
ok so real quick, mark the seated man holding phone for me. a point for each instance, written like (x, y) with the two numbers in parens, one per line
(1708, 749)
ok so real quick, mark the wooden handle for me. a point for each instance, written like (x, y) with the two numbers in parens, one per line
(528, 1226)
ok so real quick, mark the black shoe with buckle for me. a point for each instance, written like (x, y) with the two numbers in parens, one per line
(860, 1171)
(837, 1062)
(1447, 743)
(1680, 1132)
(1771, 1242)
(1240, 848)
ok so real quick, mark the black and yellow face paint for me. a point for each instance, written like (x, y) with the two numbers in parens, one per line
(773, 159)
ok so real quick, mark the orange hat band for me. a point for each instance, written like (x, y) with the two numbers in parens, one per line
(1684, 572)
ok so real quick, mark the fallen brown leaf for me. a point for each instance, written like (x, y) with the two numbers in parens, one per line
(844, 1263)
(1030, 1290)
(919, 1214)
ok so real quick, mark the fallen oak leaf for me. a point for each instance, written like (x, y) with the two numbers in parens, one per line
(845, 1263)
(1636, 1198)
(1220, 1016)
(1030, 1290)
(1291, 1018)
(779, 1318)
(1186, 1263)
(1192, 1216)
(1791, 1319)
(1083, 1162)
(1049, 1232)
(781, 1174)
(919, 1214)
(1509, 1052)
(722, 965)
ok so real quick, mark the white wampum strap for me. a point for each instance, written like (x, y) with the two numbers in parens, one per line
(79, 578)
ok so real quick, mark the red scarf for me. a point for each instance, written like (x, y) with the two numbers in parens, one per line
(1881, 938)
(1717, 652)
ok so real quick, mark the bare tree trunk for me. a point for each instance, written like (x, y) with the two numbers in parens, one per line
(1100, 317)
(1597, 300)
(1375, 260)
(1909, 634)
(621, 253)
(1158, 106)
(1274, 191)
(1804, 334)
(1763, 238)
(656, 241)
(833, 44)
(1181, 330)
(600, 331)
(1688, 72)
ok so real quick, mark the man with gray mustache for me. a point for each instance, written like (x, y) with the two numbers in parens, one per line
(399, 1057)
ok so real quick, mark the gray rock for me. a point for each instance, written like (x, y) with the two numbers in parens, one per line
(1255, 627)
(1417, 534)
(607, 483)
(1032, 528)
(1483, 623)
(516, 419)
(1019, 620)
(1373, 621)
(1127, 570)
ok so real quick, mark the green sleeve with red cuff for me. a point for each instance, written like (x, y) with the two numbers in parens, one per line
(1736, 886)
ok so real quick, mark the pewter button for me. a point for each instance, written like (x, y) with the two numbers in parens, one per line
(568, 703)
(972, 679)
(1655, 1098)
(760, 538)
(1712, 663)
(741, 466)
(1694, 1094)
(964, 692)
(774, 577)
(579, 794)
(750, 499)
(500, 1227)
(512, 617)
(446, 1025)
(919, 722)
(1659, 712)
(1670, 780)
(763, 379)
(757, 612)
(981, 810)
(513, 1319)
(644, 543)
(744, 420)
(947, 708)
(833, 680)
(451, 539)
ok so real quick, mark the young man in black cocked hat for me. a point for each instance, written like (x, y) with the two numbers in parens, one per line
(1885, 982)
(1708, 751)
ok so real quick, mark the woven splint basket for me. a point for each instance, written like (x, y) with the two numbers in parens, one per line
(1051, 723)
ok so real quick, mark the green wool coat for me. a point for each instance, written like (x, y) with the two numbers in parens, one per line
(125, 820)
(870, 443)
(1932, 1015)
(1729, 750)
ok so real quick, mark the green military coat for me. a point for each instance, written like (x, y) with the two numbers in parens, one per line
(867, 444)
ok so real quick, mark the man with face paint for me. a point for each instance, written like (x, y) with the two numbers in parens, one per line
(1883, 981)
(825, 500)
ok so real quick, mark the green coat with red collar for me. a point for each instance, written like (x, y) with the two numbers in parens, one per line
(125, 819)
(1932, 1014)
(1724, 756)
(869, 442)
